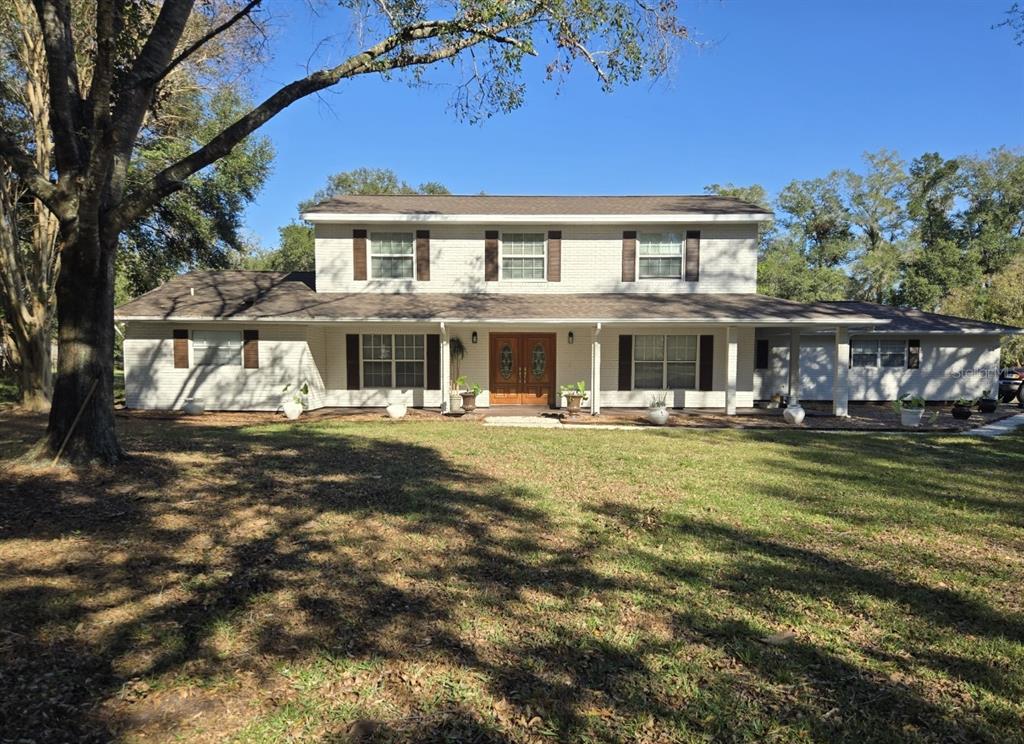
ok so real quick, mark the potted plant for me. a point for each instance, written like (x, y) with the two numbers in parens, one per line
(910, 409)
(574, 395)
(657, 409)
(468, 391)
(457, 352)
(297, 402)
(962, 408)
(792, 412)
(986, 403)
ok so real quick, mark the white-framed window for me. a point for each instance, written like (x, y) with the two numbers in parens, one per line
(523, 256)
(661, 255)
(393, 361)
(392, 255)
(664, 362)
(217, 348)
(879, 353)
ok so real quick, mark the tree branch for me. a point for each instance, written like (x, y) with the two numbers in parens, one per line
(213, 33)
(65, 94)
(173, 177)
(38, 185)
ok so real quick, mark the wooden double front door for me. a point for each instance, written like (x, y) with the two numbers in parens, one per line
(522, 369)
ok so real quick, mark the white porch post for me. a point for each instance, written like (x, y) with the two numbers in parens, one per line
(595, 371)
(794, 365)
(841, 381)
(446, 370)
(730, 370)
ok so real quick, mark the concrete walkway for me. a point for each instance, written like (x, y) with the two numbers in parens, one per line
(523, 422)
(997, 428)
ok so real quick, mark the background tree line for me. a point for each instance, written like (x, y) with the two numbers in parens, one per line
(942, 235)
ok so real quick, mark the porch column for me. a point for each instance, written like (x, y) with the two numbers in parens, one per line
(794, 365)
(730, 370)
(595, 371)
(446, 370)
(841, 381)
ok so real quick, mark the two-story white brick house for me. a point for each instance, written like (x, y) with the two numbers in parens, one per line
(633, 294)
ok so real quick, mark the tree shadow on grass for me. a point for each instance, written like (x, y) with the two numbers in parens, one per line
(219, 555)
(766, 577)
(293, 544)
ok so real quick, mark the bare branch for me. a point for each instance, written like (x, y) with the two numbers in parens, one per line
(191, 49)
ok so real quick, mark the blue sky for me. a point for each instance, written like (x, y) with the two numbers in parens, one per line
(775, 91)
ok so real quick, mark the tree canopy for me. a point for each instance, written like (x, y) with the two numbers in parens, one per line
(943, 235)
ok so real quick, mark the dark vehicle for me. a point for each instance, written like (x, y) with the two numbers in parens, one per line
(1011, 384)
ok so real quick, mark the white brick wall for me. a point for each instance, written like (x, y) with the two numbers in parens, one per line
(591, 260)
(952, 366)
(287, 356)
(292, 353)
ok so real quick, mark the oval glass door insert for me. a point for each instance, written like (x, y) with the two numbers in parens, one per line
(505, 362)
(539, 360)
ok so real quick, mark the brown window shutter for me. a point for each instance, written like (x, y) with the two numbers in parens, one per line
(359, 255)
(761, 353)
(693, 255)
(433, 361)
(625, 362)
(707, 362)
(914, 353)
(352, 361)
(180, 348)
(491, 256)
(423, 255)
(251, 349)
(629, 255)
(554, 255)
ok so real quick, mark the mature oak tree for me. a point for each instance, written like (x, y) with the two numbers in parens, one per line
(94, 128)
(198, 226)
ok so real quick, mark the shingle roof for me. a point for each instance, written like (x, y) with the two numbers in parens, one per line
(412, 204)
(911, 320)
(277, 296)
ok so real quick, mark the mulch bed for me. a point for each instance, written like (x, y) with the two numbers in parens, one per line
(863, 417)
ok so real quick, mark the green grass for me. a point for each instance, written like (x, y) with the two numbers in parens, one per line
(418, 581)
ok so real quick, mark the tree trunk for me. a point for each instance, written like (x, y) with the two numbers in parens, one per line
(35, 372)
(85, 351)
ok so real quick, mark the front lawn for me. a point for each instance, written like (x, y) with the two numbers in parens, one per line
(415, 581)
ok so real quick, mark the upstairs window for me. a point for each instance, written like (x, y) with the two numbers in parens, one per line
(523, 256)
(393, 361)
(391, 255)
(879, 353)
(664, 362)
(661, 255)
(217, 348)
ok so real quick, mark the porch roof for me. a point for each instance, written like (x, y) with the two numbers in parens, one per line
(267, 296)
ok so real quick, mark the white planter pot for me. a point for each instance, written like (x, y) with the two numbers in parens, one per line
(194, 406)
(794, 414)
(658, 416)
(292, 409)
(911, 417)
(454, 403)
(396, 410)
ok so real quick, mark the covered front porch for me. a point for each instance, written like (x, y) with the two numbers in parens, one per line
(623, 365)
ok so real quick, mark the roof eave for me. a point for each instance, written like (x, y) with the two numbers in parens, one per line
(564, 219)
